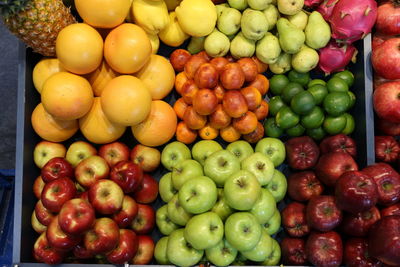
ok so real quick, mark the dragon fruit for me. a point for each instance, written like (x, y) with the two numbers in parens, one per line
(326, 8)
(351, 20)
(334, 57)
(312, 3)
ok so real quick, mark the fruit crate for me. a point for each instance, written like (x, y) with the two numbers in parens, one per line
(26, 171)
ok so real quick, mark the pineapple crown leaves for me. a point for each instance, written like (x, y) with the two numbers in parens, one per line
(11, 7)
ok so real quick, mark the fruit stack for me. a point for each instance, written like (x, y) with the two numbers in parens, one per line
(222, 203)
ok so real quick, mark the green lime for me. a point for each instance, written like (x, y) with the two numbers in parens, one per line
(336, 84)
(347, 76)
(316, 133)
(277, 83)
(295, 131)
(336, 103)
(314, 119)
(275, 104)
(297, 77)
(350, 124)
(302, 103)
(334, 125)
(286, 118)
(272, 129)
(315, 82)
(352, 99)
(290, 91)
(319, 92)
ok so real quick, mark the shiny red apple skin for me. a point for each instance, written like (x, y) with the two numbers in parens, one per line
(338, 143)
(84, 195)
(324, 249)
(43, 215)
(391, 210)
(38, 187)
(90, 170)
(148, 192)
(387, 149)
(56, 168)
(128, 212)
(126, 249)
(106, 196)
(43, 252)
(302, 186)
(323, 214)
(58, 239)
(355, 254)
(301, 152)
(57, 192)
(103, 237)
(294, 219)
(80, 252)
(114, 152)
(145, 250)
(144, 221)
(293, 251)
(76, 216)
(127, 175)
(360, 223)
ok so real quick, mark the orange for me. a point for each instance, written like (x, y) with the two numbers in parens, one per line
(100, 78)
(67, 96)
(127, 48)
(126, 100)
(159, 127)
(158, 75)
(184, 134)
(103, 13)
(43, 70)
(180, 107)
(208, 132)
(51, 129)
(229, 134)
(97, 128)
(79, 48)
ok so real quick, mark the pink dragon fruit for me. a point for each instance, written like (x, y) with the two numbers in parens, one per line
(326, 8)
(351, 20)
(334, 57)
(312, 3)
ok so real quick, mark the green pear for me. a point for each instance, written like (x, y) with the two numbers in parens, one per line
(229, 21)
(220, 8)
(238, 4)
(318, 32)
(268, 49)
(305, 60)
(272, 15)
(196, 45)
(290, 7)
(254, 24)
(217, 44)
(291, 38)
(299, 20)
(259, 4)
(282, 65)
(242, 46)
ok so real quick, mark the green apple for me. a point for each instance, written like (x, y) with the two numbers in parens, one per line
(229, 21)
(259, 4)
(254, 24)
(222, 254)
(274, 257)
(179, 252)
(273, 224)
(220, 165)
(160, 251)
(242, 190)
(176, 212)
(198, 195)
(204, 231)
(242, 230)
(265, 206)
(184, 171)
(278, 185)
(221, 207)
(262, 250)
(241, 149)
(261, 166)
(173, 153)
(238, 4)
(165, 187)
(164, 223)
(273, 148)
(203, 149)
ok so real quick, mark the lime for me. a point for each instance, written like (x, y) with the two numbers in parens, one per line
(350, 124)
(302, 103)
(315, 82)
(277, 83)
(352, 99)
(286, 118)
(336, 84)
(347, 76)
(334, 125)
(316, 134)
(272, 129)
(336, 103)
(314, 119)
(297, 77)
(295, 131)
(275, 104)
(290, 91)
(319, 92)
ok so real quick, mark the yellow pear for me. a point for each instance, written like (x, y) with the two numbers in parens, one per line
(197, 17)
(172, 4)
(155, 42)
(151, 15)
(173, 35)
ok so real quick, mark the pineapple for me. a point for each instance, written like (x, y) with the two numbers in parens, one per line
(36, 22)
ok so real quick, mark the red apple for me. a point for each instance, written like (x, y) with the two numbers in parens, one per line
(386, 149)
(84, 196)
(301, 152)
(232, 76)
(43, 252)
(127, 175)
(76, 216)
(90, 170)
(79, 151)
(144, 221)
(45, 150)
(391, 210)
(114, 152)
(103, 237)
(126, 249)
(57, 192)
(387, 102)
(323, 214)
(388, 128)
(294, 219)
(293, 251)
(206, 76)
(302, 186)
(127, 213)
(355, 254)
(38, 186)
(56, 168)
(338, 143)
(148, 192)
(58, 239)
(43, 215)
(145, 250)
(148, 158)
(360, 223)
(324, 249)
(178, 59)
(80, 252)
(36, 225)
(106, 196)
